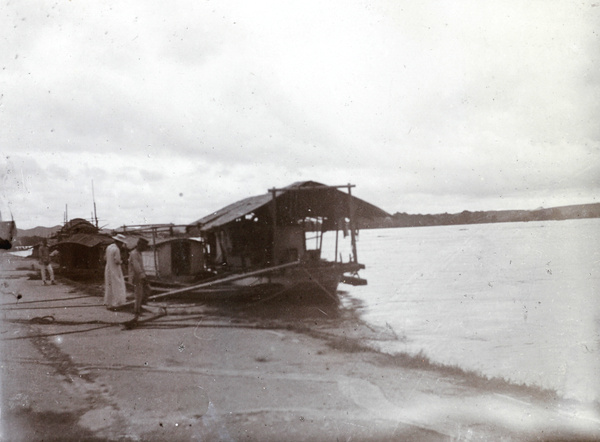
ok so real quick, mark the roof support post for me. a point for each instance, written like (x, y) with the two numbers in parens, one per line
(337, 231)
(274, 221)
(156, 271)
(352, 226)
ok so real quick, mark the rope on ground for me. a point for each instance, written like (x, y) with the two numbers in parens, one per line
(49, 319)
(44, 320)
(54, 307)
(59, 334)
(47, 300)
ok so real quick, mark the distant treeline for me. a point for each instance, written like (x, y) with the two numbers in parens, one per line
(501, 216)
(34, 236)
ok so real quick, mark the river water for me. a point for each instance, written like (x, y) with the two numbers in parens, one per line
(518, 301)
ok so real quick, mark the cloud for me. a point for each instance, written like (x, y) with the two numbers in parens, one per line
(174, 110)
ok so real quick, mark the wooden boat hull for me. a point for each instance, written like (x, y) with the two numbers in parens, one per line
(304, 283)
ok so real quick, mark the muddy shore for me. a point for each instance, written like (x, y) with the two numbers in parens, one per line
(73, 370)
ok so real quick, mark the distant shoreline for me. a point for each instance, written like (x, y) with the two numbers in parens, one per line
(402, 219)
(580, 211)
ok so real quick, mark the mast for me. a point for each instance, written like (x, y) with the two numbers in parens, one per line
(94, 199)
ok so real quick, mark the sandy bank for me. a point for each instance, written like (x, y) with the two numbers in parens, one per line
(70, 370)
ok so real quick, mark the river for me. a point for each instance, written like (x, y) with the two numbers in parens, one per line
(518, 301)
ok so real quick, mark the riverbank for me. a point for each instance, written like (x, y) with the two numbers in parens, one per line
(71, 370)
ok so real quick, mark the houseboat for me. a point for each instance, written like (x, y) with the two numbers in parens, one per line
(271, 245)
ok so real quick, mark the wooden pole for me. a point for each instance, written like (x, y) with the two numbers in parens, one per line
(274, 215)
(352, 233)
(219, 281)
(320, 234)
(156, 272)
(337, 231)
(94, 200)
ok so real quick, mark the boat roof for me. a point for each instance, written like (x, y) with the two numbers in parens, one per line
(132, 239)
(316, 199)
(86, 239)
(161, 241)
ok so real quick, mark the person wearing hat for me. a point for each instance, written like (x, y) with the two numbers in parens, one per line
(114, 283)
(137, 275)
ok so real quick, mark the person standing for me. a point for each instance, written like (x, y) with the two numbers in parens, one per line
(45, 265)
(137, 275)
(114, 283)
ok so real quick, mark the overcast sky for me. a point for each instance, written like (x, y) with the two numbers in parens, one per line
(175, 109)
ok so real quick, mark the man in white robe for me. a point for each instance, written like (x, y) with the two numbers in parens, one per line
(114, 282)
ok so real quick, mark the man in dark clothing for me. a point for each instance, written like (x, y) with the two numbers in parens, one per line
(137, 275)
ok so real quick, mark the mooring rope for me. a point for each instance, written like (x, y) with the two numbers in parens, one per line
(53, 307)
(59, 334)
(46, 300)
(320, 285)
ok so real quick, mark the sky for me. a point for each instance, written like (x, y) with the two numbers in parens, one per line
(163, 112)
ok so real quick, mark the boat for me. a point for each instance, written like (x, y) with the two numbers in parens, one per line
(81, 247)
(271, 245)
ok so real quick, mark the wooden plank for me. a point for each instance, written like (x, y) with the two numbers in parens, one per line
(353, 280)
(218, 281)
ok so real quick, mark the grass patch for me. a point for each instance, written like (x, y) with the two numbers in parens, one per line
(470, 378)
(348, 345)
(421, 361)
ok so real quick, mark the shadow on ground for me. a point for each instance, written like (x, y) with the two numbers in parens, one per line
(24, 425)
